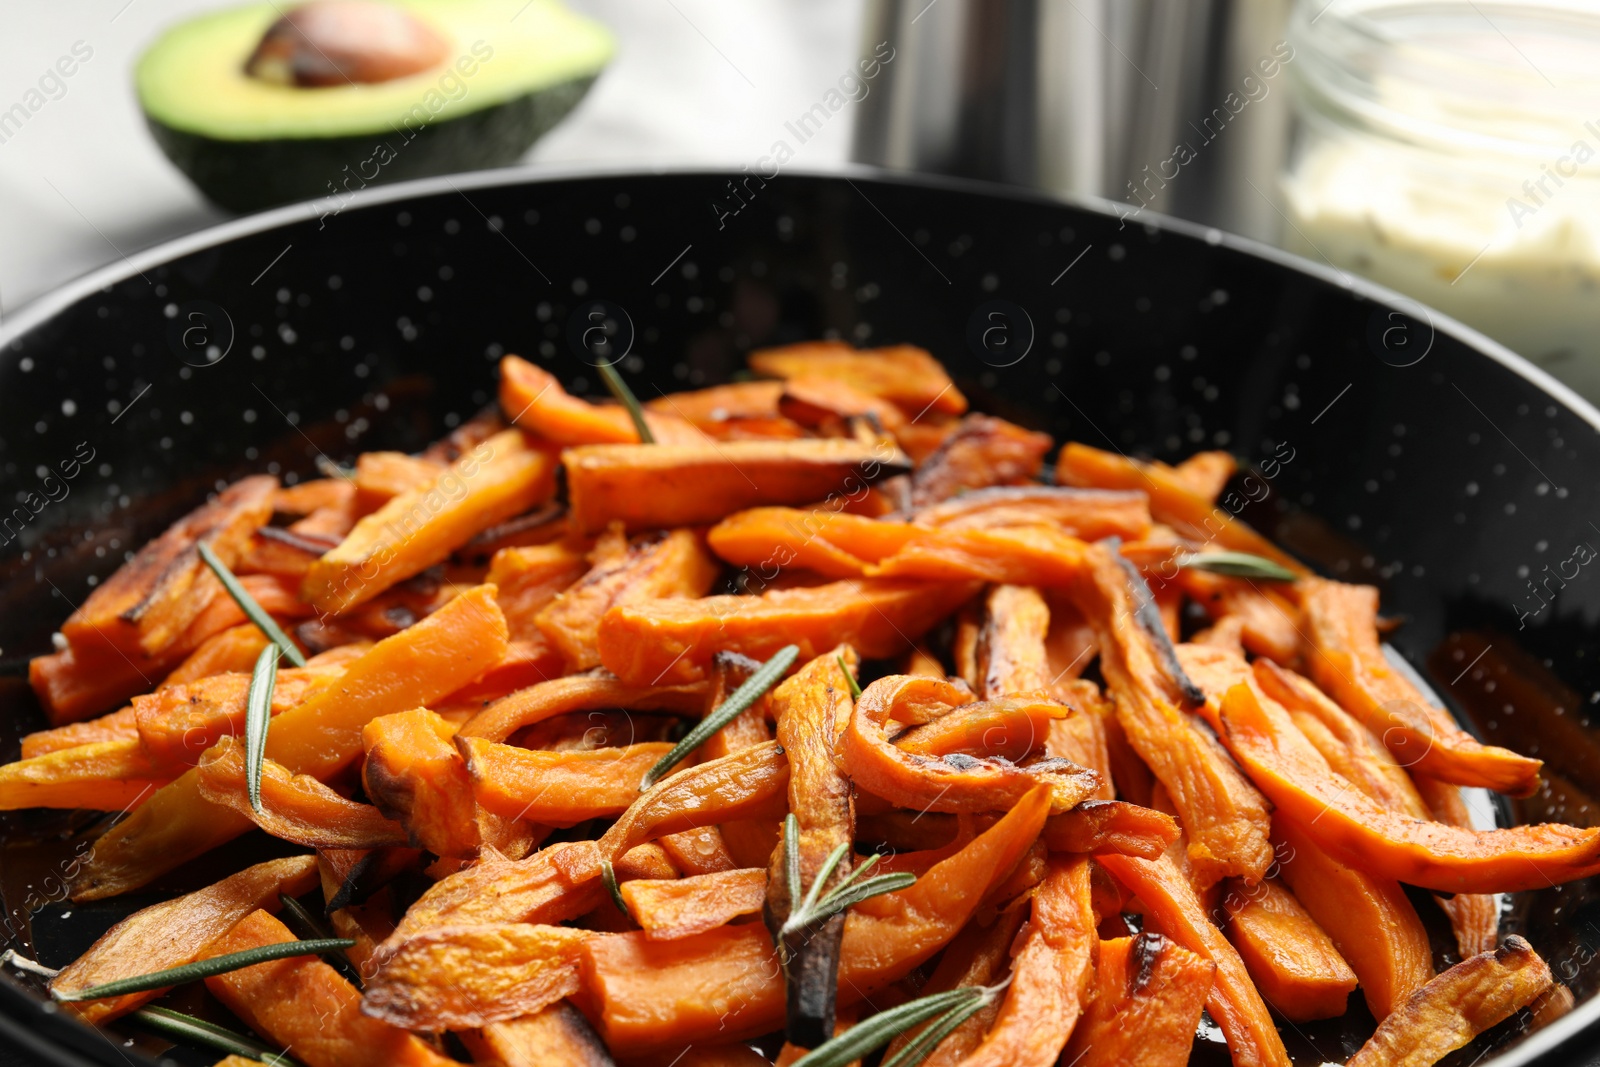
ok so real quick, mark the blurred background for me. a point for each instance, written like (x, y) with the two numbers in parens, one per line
(1446, 148)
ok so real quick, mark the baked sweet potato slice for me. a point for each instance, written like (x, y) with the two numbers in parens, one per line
(1144, 1005)
(1291, 959)
(120, 725)
(578, 692)
(826, 404)
(1347, 661)
(1085, 736)
(304, 1005)
(648, 487)
(533, 398)
(1173, 909)
(1011, 653)
(557, 1035)
(504, 476)
(382, 476)
(558, 788)
(1474, 917)
(983, 452)
(1457, 1006)
(415, 775)
(100, 776)
(1098, 826)
(234, 649)
(1270, 621)
(1370, 920)
(713, 409)
(143, 608)
(528, 577)
(668, 909)
(176, 932)
(671, 642)
(1358, 831)
(904, 374)
(1087, 514)
(1207, 473)
(464, 977)
(653, 567)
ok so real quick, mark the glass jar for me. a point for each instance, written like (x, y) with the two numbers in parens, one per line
(1451, 151)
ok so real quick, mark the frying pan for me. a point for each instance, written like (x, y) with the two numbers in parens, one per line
(1384, 443)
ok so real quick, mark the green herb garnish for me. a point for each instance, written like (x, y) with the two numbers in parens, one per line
(764, 678)
(247, 604)
(191, 972)
(818, 907)
(257, 717)
(608, 875)
(1238, 565)
(855, 686)
(176, 1024)
(884, 1027)
(309, 927)
(625, 397)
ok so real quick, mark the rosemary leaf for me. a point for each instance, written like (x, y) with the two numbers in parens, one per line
(791, 857)
(608, 875)
(625, 397)
(176, 1024)
(764, 678)
(1238, 565)
(247, 604)
(309, 927)
(884, 1027)
(190, 972)
(257, 717)
(855, 686)
(925, 1042)
(843, 898)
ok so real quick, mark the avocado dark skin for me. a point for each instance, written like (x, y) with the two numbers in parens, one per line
(251, 175)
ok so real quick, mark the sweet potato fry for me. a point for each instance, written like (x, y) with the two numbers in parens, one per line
(527, 662)
(317, 737)
(1098, 826)
(303, 1004)
(1457, 1006)
(1292, 961)
(579, 692)
(1474, 917)
(463, 977)
(557, 1035)
(1207, 473)
(1370, 920)
(1270, 621)
(297, 807)
(558, 788)
(1087, 514)
(904, 374)
(305, 497)
(657, 566)
(1050, 973)
(1009, 727)
(1144, 1005)
(1011, 654)
(502, 477)
(121, 725)
(1172, 500)
(1347, 661)
(649, 487)
(671, 642)
(382, 476)
(1084, 737)
(1173, 909)
(532, 398)
(101, 776)
(176, 932)
(143, 608)
(681, 907)
(1225, 818)
(824, 403)
(983, 452)
(1358, 831)
(712, 409)
(529, 577)
(234, 649)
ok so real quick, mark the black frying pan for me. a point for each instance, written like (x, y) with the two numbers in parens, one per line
(1421, 456)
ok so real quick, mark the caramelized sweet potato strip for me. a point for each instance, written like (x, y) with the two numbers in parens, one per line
(527, 662)
(1225, 818)
(1084, 737)
(529, 577)
(1474, 917)
(579, 692)
(532, 398)
(1087, 514)
(1145, 1003)
(501, 478)
(1347, 661)
(726, 983)
(649, 487)
(556, 1035)
(461, 977)
(318, 737)
(1457, 1006)
(1049, 974)
(713, 408)
(415, 776)
(957, 783)
(982, 453)
(1011, 649)
(558, 788)
(234, 649)
(176, 932)
(978, 956)
(1098, 826)
(101, 776)
(1269, 619)
(823, 403)
(382, 476)
(681, 907)
(1370, 920)
(1173, 909)
(904, 374)
(121, 725)
(658, 566)
(303, 1004)
(143, 608)
(1358, 831)
(1207, 473)
(297, 807)
(1290, 958)
(671, 642)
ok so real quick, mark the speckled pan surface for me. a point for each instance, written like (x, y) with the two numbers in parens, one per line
(1388, 444)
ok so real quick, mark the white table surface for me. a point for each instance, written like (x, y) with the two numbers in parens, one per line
(693, 81)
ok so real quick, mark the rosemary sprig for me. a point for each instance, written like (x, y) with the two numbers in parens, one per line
(247, 604)
(919, 1048)
(257, 717)
(309, 927)
(608, 876)
(625, 397)
(762, 679)
(1238, 565)
(190, 972)
(817, 907)
(884, 1027)
(176, 1024)
(855, 686)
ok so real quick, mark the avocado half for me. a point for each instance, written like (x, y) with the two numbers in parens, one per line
(514, 69)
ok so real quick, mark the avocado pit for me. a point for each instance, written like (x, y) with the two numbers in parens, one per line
(339, 42)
